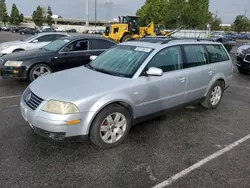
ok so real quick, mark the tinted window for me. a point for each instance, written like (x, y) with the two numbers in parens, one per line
(45, 38)
(216, 53)
(101, 44)
(79, 45)
(196, 55)
(169, 59)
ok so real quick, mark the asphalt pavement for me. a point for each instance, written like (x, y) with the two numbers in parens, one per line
(155, 151)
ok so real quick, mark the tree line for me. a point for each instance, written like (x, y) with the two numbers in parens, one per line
(14, 18)
(39, 16)
(193, 14)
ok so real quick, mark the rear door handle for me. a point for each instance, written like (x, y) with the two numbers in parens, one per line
(210, 72)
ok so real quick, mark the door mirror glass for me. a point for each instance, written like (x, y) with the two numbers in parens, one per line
(93, 57)
(35, 41)
(153, 71)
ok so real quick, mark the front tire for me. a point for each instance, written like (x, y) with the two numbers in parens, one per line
(214, 95)
(111, 126)
(38, 71)
(126, 38)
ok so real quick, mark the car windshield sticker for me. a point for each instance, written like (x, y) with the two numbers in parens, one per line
(141, 49)
(66, 40)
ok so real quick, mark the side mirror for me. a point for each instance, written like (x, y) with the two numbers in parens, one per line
(93, 57)
(35, 41)
(153, 71)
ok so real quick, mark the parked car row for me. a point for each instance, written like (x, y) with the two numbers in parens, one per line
(91, 87)
(33, 31)
(98, 32)
(232, 36)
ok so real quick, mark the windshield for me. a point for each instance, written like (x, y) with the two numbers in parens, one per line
(56, 45)
(29, 38)
(121, 60)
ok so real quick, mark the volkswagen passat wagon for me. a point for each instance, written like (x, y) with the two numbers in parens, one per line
(131, 80)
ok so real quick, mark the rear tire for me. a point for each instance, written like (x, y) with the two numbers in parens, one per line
(111, 126)
(214, 96)
(39, 70)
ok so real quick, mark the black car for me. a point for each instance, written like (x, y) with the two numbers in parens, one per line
(243, 60)
(71, 31)
(64, 53)
(31, 31)
(16, 29)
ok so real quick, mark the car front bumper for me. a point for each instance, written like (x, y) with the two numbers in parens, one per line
(242, 64)
(55, 126)
(14, 72)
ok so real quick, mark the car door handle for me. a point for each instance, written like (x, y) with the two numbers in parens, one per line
(210, 72)
(183, 79)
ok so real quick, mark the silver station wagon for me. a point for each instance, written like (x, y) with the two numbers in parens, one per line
(130, 81)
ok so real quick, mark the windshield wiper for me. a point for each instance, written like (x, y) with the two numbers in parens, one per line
(105, 71)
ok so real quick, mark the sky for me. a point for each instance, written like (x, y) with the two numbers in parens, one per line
(227, 9)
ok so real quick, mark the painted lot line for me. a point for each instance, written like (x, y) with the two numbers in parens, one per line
(10, 97)
(201, 163)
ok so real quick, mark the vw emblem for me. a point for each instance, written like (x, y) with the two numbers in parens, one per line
(28, 97)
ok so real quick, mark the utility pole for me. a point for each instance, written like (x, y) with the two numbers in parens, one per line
(87, 13)
(95, 12)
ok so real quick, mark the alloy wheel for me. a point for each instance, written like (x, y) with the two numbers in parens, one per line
(216, 95)
(113, 128)
(40, 71)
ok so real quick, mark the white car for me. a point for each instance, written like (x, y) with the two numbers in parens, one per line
(60, 29)
(33, 42)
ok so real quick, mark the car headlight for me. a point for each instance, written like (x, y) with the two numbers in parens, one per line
(60, 107)
(13, 63)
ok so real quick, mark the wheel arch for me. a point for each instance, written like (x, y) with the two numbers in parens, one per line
(31, 66)
(123, 103)
(220, 78)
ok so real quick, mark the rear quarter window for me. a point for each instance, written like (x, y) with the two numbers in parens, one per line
(216, 53)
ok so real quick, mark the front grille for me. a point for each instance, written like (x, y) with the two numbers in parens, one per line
(32, 100)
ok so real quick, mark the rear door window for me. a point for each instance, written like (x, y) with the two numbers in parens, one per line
(216, 53)
(100, 44)
(196, 55)
(45, 38)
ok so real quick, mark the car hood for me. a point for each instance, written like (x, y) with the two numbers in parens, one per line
(27, 54)
(76, 84)
(4, 44)
(244, 47)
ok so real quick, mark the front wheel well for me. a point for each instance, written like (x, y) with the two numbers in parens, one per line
(38, 64)
(122, 103)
